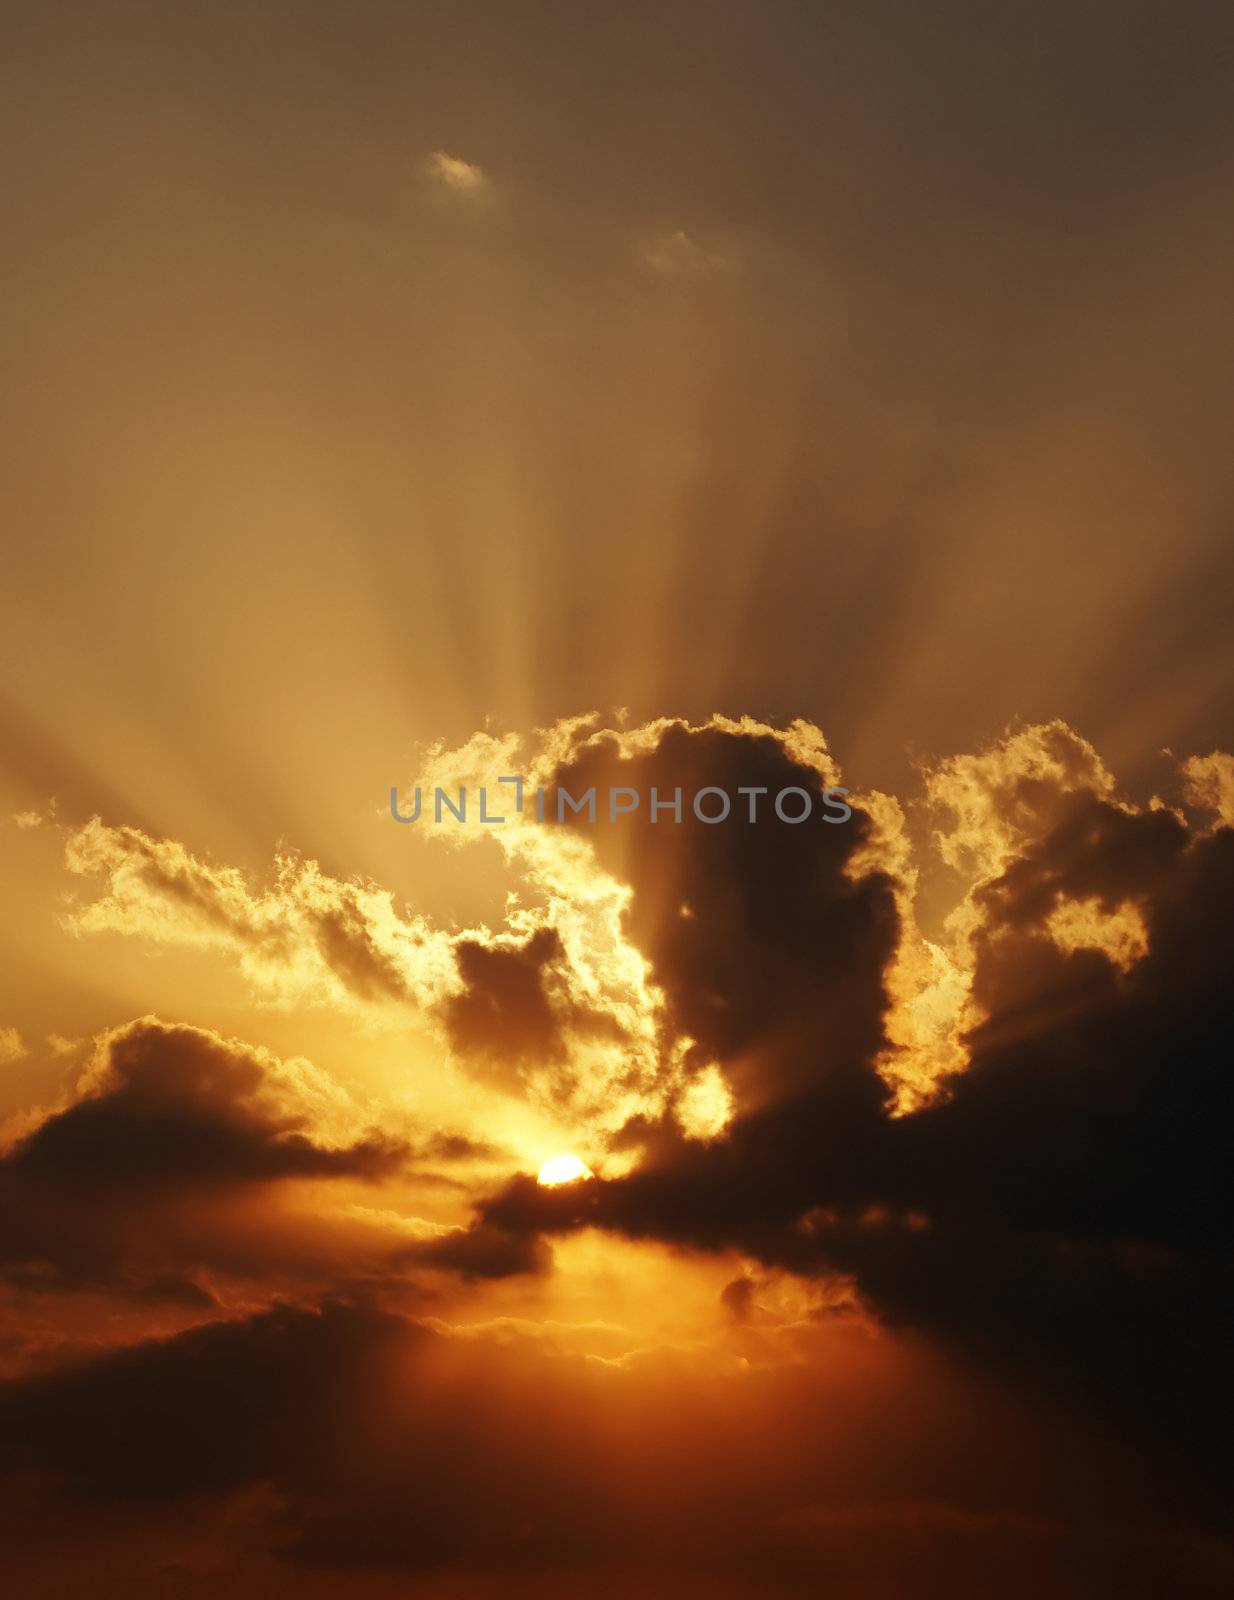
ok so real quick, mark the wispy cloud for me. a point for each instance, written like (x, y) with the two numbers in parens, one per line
(677, 255)
(462, 176)
(11, 1046)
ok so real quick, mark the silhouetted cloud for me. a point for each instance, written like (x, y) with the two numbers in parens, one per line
(168, 1119)
(1067, 1196)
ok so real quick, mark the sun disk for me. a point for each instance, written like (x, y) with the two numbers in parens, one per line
(562, 1169)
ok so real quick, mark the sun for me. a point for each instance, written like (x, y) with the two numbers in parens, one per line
(562, 1169)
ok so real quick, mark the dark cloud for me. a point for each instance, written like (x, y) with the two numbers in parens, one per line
(1065, 1212)
(1061, 1217)
(179, 1107)
(215, 1408)
(169, 1118)
(503, 1014)
(386, 1445)
(484, 1251)
(770, 954)
(349, 948)
(448, 1147)
(519, 1014)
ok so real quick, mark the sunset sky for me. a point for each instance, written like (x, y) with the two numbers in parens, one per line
(686, 395)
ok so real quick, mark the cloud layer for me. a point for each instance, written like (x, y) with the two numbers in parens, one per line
(1001, 1150)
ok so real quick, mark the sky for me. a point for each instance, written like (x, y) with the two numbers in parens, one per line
(677, 396)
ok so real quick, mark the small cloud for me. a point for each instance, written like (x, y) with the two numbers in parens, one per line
(677, 255)
(59, 1045)
(455, 173)
(11, 1047)
(28, 819)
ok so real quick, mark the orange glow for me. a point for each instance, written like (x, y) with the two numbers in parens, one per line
(607, 430)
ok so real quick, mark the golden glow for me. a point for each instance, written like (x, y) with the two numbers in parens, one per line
(1083, 925)
(706, 1105)
(506, 428)
(562, 1169)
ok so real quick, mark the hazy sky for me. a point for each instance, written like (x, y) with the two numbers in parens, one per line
(860, 362)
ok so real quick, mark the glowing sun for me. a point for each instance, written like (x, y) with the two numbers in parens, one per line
(562, 1169)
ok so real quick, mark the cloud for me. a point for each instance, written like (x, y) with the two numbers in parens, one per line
(728, 1019)
(503, 1013)
(478, 1460)
(166, 1106)
(555, 1005)
(617, 1037)
(464, 177)
(170, 1126)
(484, 1251)
(1052, 1208)
(779, 946)
(994, 803)
(11, 1046)
(1210, 785)
(677, 255)
(552, 1006)
(1064, 1195)
(308, 936)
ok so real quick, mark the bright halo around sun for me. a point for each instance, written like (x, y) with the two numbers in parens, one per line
(562, 1169)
